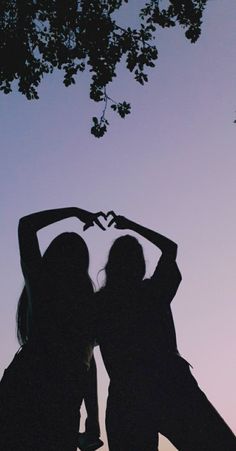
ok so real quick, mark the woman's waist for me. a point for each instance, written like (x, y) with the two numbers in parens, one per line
(60, 352)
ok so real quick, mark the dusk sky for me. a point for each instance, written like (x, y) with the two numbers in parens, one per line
(170, 165)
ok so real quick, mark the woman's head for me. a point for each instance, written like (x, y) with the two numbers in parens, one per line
(65, 259)
(67, 252)
(126, 263)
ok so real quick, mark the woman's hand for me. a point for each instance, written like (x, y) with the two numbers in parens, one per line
(120, 221)
(90, 219)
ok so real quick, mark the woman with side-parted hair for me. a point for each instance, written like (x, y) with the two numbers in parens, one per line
(151, 386)
(42, 389)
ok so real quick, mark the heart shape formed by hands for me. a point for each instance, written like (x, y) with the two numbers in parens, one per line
(101, 222)
(100, 219)
(111, 214)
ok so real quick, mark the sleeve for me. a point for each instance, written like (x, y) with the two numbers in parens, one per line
(165, 280)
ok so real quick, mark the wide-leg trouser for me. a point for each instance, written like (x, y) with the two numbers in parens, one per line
(170, 403)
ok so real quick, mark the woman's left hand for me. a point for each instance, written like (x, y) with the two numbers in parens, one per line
(90, 219)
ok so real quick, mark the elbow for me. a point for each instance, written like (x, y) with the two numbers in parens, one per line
(21, 228)
(174, 251)
(22, 223)
(171, 251)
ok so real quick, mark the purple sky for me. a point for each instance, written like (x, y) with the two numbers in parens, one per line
(170, 166)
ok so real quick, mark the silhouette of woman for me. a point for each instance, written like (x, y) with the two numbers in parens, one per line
(42, 389)
(151, 387)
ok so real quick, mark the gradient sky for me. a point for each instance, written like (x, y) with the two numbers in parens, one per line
(170, 166)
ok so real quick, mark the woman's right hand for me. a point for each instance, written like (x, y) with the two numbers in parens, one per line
(120, 222)
(90, 219)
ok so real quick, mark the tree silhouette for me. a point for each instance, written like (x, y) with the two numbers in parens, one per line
(39, 36)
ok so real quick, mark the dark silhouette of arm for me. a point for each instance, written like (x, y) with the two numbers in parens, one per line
(31, 224)
(166, 246)
(166, 277)
(91, 401)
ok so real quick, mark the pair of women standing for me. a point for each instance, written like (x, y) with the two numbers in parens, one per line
(151, 387)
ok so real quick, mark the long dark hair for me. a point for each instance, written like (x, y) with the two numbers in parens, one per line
(126, 263)
(69, 252)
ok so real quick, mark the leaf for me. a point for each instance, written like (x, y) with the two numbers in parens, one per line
(37, 37)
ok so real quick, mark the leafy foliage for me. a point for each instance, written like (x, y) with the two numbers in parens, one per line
(39, 36)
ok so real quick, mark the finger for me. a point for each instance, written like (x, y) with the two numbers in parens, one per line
(99, 224)
(86, 226)
(100, 213)
(111, 222)
(111, 213)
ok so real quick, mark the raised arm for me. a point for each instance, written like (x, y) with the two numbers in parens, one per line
(166, 277)
(166, 246)
(31, 224)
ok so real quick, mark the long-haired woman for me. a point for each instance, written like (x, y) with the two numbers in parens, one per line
(42, 389)
(151, 387)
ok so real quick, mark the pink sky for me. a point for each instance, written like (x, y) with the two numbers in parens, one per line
(170, 166)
